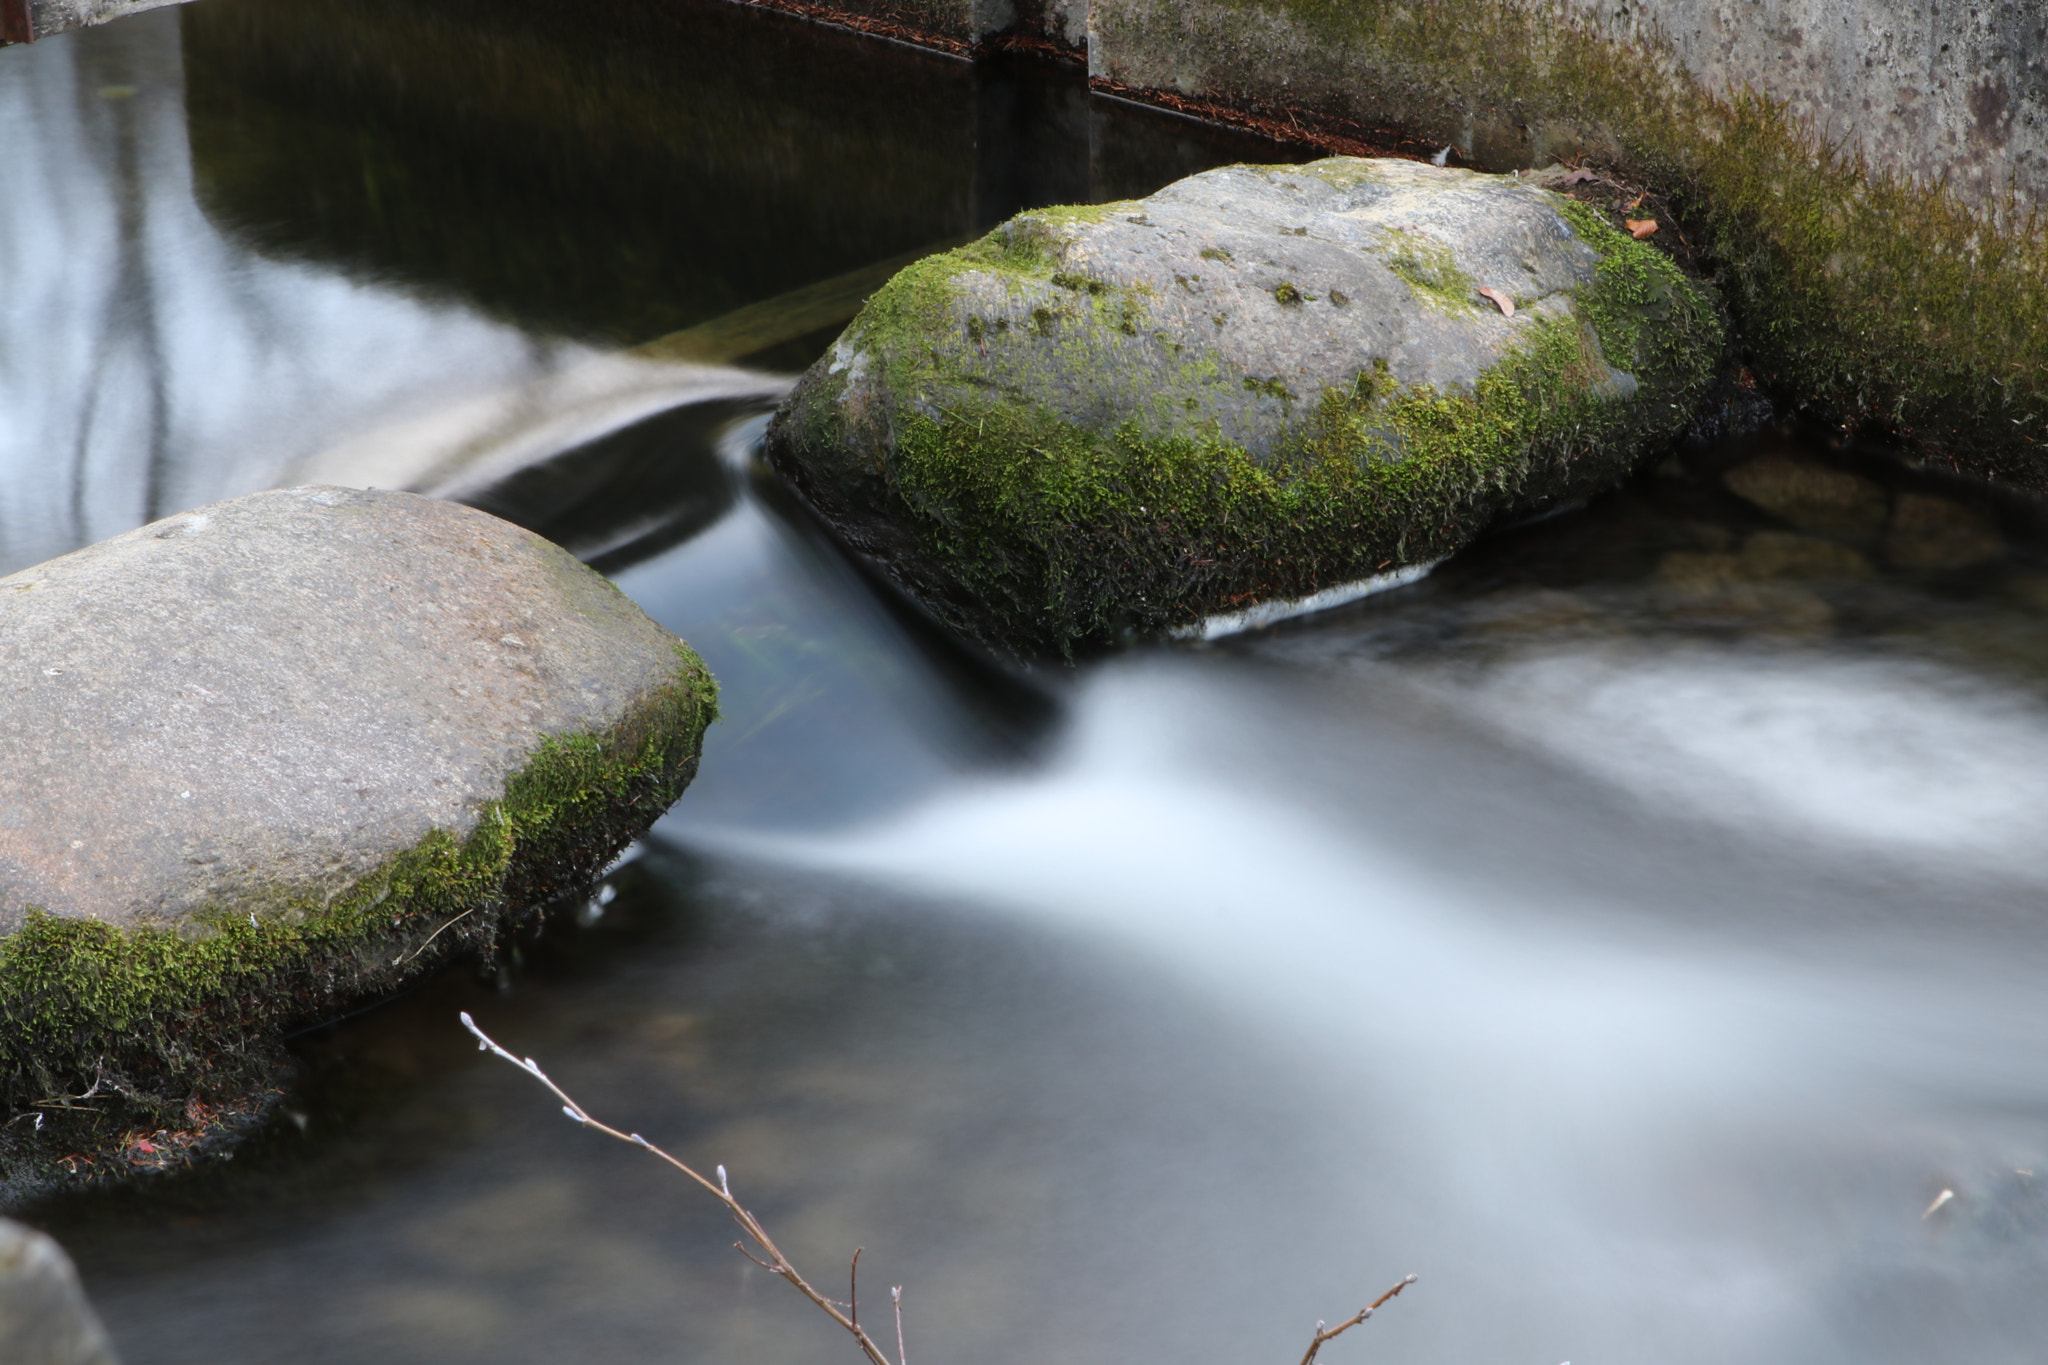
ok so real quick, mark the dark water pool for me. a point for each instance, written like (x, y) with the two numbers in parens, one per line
(1633, 928)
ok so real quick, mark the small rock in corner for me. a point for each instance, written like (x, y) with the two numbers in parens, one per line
(44, 1318)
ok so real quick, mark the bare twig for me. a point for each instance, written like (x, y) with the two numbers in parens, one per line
(1324, 1334)
(770, 1255)
(407, 957)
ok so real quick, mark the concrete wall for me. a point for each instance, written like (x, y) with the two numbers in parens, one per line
(1944, 91)
(26, 20)
(1948, 89)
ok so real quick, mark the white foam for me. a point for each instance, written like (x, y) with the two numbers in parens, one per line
(1267, 613)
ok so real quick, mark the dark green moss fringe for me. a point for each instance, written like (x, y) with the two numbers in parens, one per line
(154, 1021)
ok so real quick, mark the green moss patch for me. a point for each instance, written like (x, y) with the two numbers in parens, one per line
(1427, 267)
(104, 1029)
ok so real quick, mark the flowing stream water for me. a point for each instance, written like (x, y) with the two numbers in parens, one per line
(1633, 928)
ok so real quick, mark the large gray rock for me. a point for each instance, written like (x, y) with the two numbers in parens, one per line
(1259, 383)
(44, 1318)
(256, 759)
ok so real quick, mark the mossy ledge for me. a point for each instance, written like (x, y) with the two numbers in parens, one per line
(106, 1032)
(1043, 537)
(1865, 294)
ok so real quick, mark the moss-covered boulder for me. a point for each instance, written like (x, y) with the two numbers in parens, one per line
(1260, 383)
(263, 758)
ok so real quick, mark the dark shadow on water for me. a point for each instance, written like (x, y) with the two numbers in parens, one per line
(630, 495)
(617, 172)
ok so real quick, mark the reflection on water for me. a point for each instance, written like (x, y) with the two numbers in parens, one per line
(358, 260)
(147, 364)
(622, 179)
(1632, 927)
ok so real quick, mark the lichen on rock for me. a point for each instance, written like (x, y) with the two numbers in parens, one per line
(1104, 423)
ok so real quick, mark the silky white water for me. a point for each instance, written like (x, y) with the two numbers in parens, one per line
(1594, 1130)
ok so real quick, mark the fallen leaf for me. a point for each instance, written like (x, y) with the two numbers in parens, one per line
(1578, 175)
(145, 1145)
(1507, 305)
(1640, 228)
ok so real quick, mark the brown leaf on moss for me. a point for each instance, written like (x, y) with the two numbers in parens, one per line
(1507, 305)
(1578, 175)
(1640, 228)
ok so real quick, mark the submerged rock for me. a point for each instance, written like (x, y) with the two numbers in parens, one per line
(44, 1317)
(1812, 497)
(1259, 383)
(277, 753)
(1935, 534)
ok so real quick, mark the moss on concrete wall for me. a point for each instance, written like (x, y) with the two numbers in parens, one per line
(1868, 295)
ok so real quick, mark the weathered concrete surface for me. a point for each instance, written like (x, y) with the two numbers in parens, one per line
(1953, 94)
(44, 1316)
(1947, 94)
(28, 20)
(254, 758)
(1259, 383)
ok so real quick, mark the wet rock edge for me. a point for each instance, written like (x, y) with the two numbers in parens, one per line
(108, 1034)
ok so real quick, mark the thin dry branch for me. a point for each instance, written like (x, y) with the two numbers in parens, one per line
(1324, 1333)
(770, 1257)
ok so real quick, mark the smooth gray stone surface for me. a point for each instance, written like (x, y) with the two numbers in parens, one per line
(1211, 256)
(44, 1317)
(272, 696)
